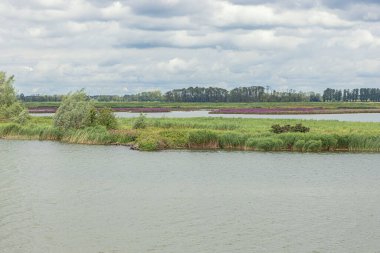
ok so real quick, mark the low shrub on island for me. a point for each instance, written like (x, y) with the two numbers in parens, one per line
(277, 129)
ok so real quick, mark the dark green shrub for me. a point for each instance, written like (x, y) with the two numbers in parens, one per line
(277, 129)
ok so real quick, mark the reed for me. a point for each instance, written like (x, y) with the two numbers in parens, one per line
(211, 133)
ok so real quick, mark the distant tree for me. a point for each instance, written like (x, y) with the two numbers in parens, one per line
(10, 106)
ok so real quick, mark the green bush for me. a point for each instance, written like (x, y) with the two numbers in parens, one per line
(105, 117)
(277, 129)
(75, 111)
(10, 108)
(140, 122)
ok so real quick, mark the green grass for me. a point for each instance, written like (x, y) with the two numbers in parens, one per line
(211, 133)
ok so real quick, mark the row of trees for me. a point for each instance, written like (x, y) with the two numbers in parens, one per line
(197, 94)
(347, 95)
(240, 94)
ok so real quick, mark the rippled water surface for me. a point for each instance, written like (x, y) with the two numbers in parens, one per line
(75, 198)
(355, 117)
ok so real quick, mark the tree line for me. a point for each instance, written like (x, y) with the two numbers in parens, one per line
(196, 94)
(239, 94)
(347, 95)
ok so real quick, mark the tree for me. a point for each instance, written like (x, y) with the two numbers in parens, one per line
(10, 107)
(105, 117)
(75, 111)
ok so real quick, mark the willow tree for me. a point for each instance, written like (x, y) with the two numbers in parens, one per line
(10, 107)
(75, 111)
(78, 111)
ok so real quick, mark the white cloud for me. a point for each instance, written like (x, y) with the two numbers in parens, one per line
(58, 46)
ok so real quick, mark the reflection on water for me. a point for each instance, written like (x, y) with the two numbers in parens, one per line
(75, 198)
(356, 117)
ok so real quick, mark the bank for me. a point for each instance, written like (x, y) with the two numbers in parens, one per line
(209, 133)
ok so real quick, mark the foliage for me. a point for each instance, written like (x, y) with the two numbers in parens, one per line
(203, 138)
(105, 117)
(10, 107)
(75, 111)
(140, 122)
(209, 133)
(277, 129)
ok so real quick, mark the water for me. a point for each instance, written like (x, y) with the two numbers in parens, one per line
(354, 117)
(63, 198)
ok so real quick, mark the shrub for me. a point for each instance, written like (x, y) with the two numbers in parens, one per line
(140, 122)
(10, 107)
(105, 117)
(75, 111)
(277, 129)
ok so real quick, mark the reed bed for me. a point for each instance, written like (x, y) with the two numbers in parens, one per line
(211, 133)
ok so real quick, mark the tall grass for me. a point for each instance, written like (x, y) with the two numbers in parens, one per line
(212, 133)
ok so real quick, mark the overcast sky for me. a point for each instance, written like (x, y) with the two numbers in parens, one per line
(121, 47)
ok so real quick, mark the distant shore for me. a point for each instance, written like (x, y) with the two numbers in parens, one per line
(285, 108)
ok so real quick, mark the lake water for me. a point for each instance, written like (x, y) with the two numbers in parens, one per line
(63, 198)
(355, 117)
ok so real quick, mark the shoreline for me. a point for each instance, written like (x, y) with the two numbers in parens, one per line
(136, 148)
(210, 134)
(264, 112)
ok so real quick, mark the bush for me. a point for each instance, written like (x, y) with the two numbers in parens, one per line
(277, 129)
(140, 122)
(75, 111)
(105, 117)
(10, 107)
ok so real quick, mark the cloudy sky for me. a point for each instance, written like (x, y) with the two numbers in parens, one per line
(128, 46)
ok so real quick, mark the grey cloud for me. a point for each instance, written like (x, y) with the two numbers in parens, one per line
(107, 46)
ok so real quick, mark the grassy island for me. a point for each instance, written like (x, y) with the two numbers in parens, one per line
(208, 133)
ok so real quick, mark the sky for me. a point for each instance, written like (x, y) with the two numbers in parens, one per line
(130, 46)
